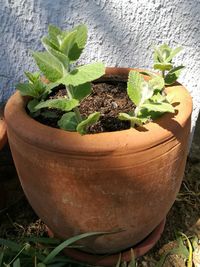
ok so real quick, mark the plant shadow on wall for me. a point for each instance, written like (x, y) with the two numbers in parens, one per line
(136, 177)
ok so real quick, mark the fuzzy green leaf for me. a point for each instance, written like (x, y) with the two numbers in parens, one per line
(39, 87)
(32, 104)
(139, 90)
(165, 51)
(59, 103)
(134, 87)
(26, 89)
(80, 42)
(49, 65)
(68, 122)
(33, 77)
(91, 119)
(161, 53)
(158, 55)
(163, 66)
(46, 41)
(173, 75)
(67, 42)
(158, 98)
(53, 32)
(160, 107)
(157, 83)
(173, 53)
(81, 38)
(29, 89)
(84, 74)
(81, 91)
(60, 56)
(134, 120)
(148, 114)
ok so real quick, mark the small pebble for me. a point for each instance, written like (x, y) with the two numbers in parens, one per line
(114, 105)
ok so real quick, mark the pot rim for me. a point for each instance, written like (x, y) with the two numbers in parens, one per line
(152, 134)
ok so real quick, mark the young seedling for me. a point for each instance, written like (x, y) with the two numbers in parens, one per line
(149, 96)
(57, 64)
(163, 56)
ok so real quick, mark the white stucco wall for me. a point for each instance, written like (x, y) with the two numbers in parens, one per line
(121, 33)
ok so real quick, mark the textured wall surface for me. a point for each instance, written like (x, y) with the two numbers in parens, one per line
(121, 33)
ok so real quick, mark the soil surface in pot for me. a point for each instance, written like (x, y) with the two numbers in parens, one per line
(107, 98)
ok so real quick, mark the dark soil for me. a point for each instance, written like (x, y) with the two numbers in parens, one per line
(107, 98)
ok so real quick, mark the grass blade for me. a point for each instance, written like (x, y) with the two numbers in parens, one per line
(17, 263)
(189, 261)
(1, 256)
(119, 261)
(68, 242)
(132, 263)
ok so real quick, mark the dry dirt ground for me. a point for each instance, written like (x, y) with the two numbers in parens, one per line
(19, 220)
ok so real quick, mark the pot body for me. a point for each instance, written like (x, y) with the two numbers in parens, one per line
(123, 181)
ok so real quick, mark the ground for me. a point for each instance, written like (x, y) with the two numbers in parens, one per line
(19, 220)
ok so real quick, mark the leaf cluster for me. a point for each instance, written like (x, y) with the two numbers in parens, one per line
(163, 56)
(63, 48)
(149, 96)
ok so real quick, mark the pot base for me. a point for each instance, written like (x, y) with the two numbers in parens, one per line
(111, 260)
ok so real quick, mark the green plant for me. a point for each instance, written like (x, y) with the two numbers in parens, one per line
(163, 56)
(40, 252)
(132, 262)
(57, 63)
(149, 96)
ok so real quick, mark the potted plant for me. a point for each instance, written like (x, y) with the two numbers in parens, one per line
(109, 158)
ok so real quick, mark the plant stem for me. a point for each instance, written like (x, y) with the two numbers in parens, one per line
(132, 124)
(77, 114)
(17, 255)
(163, 74)
(69, 90)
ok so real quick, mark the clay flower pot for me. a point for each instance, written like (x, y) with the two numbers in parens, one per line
(3, 139)
(124, 180)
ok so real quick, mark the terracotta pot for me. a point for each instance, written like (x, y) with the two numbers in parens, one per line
(3, 139)
(125, 180)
